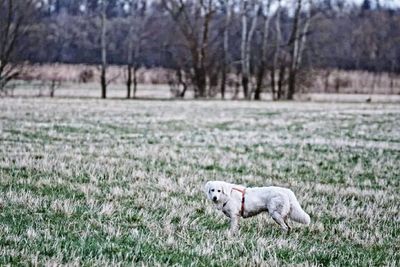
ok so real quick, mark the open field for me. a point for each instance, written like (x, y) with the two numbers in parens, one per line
(91, 182)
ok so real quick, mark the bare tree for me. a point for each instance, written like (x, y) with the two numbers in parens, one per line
(15, 16)
(249, 9)
(225, 60)
(103, 43)
(129, 65)
(276, 90)
(193, 19)
(264, 46)
(137, 23)
(296, 43)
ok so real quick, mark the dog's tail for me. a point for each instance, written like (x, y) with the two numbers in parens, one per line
(297, 214)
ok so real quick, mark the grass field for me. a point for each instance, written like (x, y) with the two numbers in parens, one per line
(91, 182)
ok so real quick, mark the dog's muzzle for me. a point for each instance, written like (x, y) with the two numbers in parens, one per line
(214, 199)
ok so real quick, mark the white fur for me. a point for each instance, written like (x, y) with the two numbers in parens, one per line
(279, 202)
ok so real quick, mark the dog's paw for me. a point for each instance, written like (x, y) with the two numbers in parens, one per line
(232, 234)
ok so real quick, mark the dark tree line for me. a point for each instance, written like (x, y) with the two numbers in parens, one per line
(249, 45)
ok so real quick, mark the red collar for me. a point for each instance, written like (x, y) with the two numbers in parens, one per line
(243, 198)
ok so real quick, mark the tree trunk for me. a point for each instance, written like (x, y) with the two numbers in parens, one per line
(297, 44)
(244, 54)
(223, 81)
(326, 80)
(273, 89)
(201, 82)
(281, 78)
(130, 60)
(103, 78)
(259, 83)
(263, 63)
(202, 85)
(247, 36)
(225, 61)
(135, 82)
(129, 81)
(182, 82)
(103, 83)
(276, 91)
(291, 83)
(294, 43)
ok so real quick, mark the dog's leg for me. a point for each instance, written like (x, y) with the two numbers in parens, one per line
(285, 219)
(279, 220)
(234, 224)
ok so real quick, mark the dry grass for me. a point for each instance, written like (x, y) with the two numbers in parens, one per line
(355, 82)
(91, 182)
(160, 91)
(72, 73)
(314, 81)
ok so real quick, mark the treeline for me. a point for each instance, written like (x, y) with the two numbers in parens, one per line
(249, 45)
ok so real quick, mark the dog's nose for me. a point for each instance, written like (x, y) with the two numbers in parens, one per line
(215, 198)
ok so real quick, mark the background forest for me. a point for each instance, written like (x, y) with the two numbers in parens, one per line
(251, 46)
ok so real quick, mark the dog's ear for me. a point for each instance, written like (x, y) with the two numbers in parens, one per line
(207, 187)
(226, 188)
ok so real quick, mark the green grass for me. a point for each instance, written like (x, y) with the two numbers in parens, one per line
(89, 182)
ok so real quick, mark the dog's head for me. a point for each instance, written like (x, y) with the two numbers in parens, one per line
(216, 191)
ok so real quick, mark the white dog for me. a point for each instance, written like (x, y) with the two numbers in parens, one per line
(236, 201)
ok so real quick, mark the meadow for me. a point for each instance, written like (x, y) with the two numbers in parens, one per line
(119, 182)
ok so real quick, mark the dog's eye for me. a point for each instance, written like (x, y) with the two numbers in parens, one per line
(219, 191)
(212, 190)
